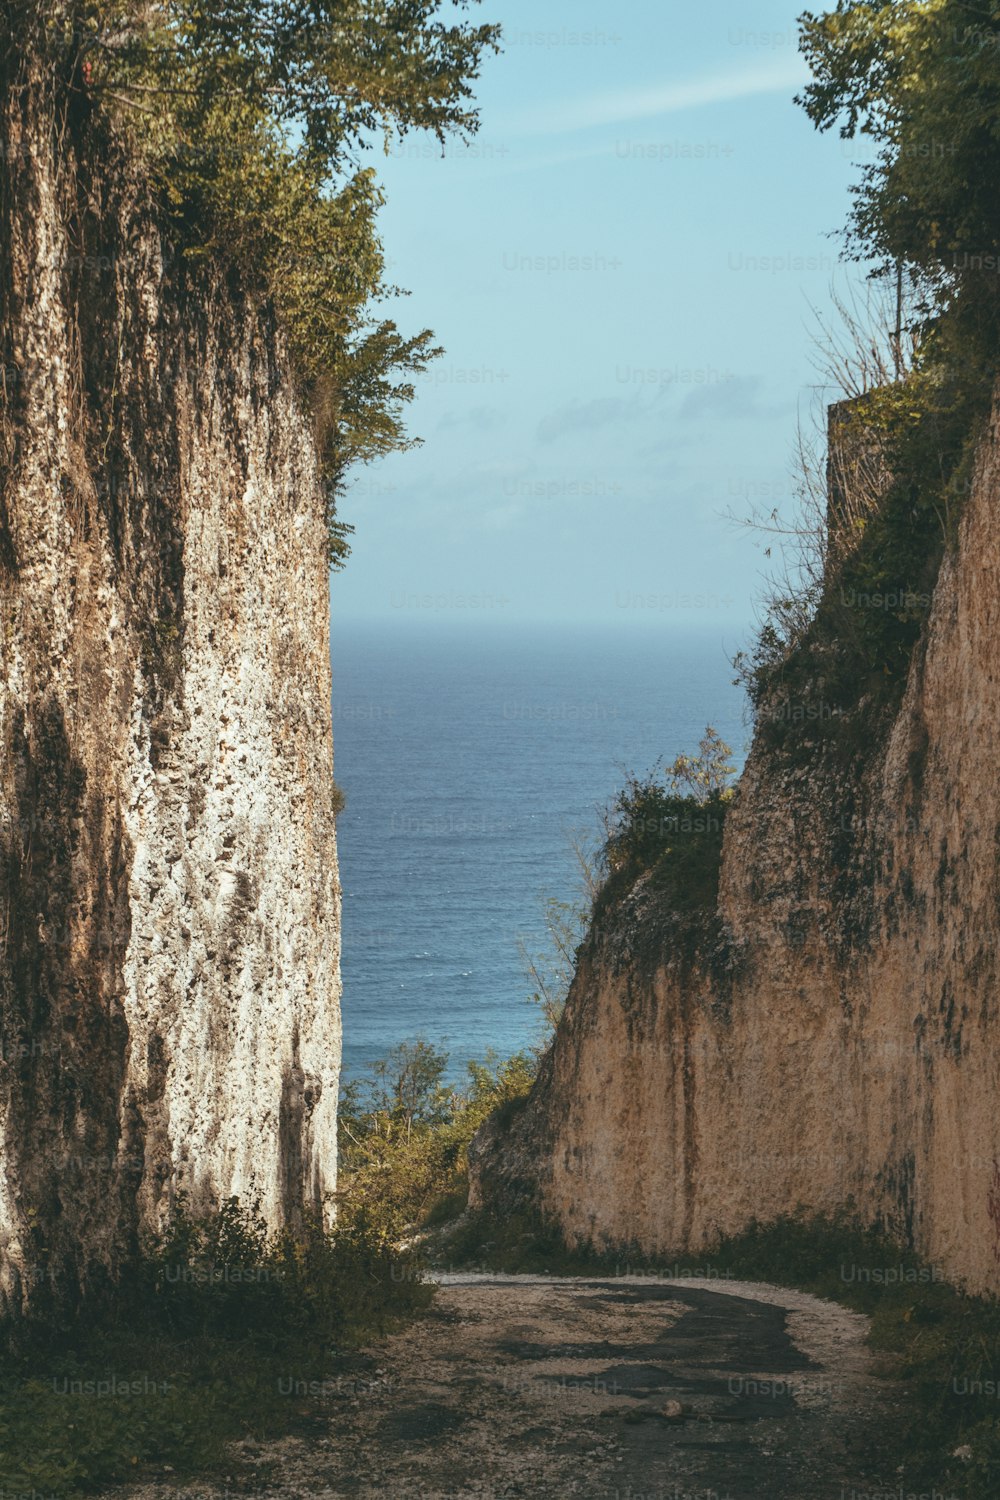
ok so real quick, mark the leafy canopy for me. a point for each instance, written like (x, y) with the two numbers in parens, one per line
(254, 116)
(920, 80)
(405, 1088)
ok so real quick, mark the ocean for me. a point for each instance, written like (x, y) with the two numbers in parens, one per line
(470, 755)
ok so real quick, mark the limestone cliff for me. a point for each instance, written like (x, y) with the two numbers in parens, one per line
(828, 1035)
(169, 900)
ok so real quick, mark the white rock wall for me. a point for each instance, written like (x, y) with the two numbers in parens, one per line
(169, 897)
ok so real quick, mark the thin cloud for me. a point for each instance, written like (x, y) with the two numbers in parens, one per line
(774, 76)
(587, 416)
(480, 418)
(739, 400)
(556, 159)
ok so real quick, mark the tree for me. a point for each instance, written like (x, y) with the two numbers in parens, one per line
(253, 117)
(706, 776)
(551, 971)
(921, 80)
(405, 1089)
(404, 1136)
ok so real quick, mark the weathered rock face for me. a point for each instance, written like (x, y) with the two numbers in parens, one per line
(834, 1038)
(169, 901)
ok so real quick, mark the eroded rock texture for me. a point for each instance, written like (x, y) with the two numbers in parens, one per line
(830, 1036)
(169, 901)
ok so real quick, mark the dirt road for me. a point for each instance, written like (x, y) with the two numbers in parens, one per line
(632, 1389)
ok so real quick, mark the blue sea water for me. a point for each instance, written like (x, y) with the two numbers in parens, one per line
(469, 754)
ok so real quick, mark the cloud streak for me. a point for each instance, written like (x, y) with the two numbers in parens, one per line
(775, 76)
(738, 400)
(588, 416)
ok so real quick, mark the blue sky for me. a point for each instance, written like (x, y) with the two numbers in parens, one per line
(620, 268)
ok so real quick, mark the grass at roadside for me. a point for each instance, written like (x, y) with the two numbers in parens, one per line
(216, 1336)
(943, 1343)
(223, 1331)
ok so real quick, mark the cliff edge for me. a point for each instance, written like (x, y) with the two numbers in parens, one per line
(826, 1037)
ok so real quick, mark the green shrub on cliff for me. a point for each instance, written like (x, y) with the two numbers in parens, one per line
(252, 119)
(854, 643)
(669, 824)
